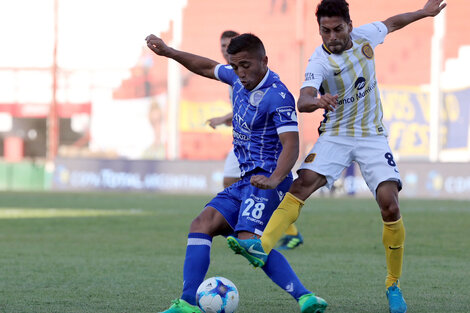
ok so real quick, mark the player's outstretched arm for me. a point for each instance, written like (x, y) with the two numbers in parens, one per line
(195, 63)
(219, 120)
(309, 102)
(430, 9)
(285, 163)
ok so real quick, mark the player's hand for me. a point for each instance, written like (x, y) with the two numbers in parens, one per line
(216, 121)
(433, 7)
(328, 102)
(157, 45)
(263, 182)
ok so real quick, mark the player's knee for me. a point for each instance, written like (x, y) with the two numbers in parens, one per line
(201, 224)
(305, 185)
(390, 212)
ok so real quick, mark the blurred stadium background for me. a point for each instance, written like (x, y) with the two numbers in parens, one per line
(84, 105)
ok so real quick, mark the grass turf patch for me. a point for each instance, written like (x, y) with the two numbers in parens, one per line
(110, 252)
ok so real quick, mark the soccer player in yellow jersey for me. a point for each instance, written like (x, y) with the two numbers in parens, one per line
(342, 71)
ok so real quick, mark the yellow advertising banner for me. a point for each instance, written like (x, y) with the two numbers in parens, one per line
(194, 116)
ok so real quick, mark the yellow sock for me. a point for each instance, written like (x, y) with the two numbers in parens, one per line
(285, 214)
(292, 230)
(393, 238)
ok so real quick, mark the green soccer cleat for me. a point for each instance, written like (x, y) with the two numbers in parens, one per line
(289, 242)
(310, 303)
(396, 303)
(251, 249)
(181, 306)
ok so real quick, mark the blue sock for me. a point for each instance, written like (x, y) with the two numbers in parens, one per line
(196, 264)
(281, 273)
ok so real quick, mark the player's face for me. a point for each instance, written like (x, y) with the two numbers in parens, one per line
(224, 42)
(250, 67)
(335, 33)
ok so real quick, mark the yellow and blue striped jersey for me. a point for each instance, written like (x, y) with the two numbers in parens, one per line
(351, 76)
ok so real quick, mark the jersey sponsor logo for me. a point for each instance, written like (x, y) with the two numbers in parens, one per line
(309, 76)
(362, 94)
(241, 122)
(280, 194)
(255, 97)
(367, 51)
(360, 83)
(346, 100)
(310, 158)
(237, 135)
(287, 114)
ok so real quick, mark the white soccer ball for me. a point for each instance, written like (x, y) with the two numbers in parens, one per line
(217, 295)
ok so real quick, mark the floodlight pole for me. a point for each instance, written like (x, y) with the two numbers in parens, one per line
(52, 119)
(436, 98)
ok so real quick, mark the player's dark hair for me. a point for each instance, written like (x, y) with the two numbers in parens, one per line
(229, 34)
(246, 42)
(331, 8)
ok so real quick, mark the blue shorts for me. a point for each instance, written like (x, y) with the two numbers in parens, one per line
(247, 208)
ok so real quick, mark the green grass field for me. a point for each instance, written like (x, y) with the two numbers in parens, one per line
(109, 252)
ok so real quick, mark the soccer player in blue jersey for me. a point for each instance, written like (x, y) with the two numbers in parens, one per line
(266, 143)
(292, 237)
(342, 71)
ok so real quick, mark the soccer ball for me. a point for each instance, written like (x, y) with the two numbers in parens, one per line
(217, 295)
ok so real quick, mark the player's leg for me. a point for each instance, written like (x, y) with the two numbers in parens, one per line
(324, 164)
(393, 235)
(382, 176)
(289, 209)
(278, 269)
(209, 223)
(232, 171)
(254, 213)
(393, 238)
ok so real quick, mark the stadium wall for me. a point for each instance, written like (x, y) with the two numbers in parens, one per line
(420, 179)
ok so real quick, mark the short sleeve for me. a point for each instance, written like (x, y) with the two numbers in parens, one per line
(314, 73)
(284, 115)
(374, 33)
(225, 73)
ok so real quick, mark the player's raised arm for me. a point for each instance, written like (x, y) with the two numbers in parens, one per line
(309, 102)
(430, 9)
(195, 63)
(285, 163)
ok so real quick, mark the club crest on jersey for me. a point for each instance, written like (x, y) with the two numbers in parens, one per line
(287, 114)
(367, 51)
(310, 158)
(255, 97)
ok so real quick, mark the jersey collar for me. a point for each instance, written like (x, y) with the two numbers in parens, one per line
(261, 83)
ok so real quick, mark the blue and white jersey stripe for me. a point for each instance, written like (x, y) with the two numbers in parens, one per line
(259, 116)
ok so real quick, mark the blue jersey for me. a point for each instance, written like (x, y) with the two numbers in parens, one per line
(259, 116)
